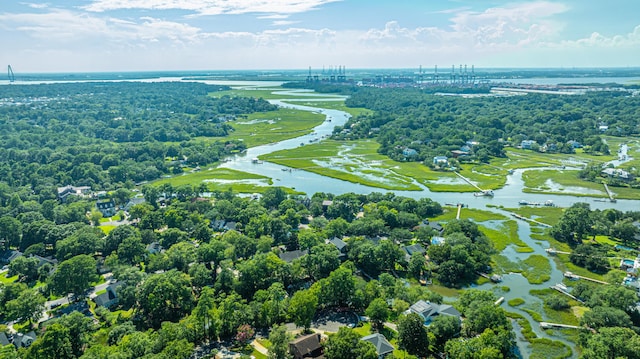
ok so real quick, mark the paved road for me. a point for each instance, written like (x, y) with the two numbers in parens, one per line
(65, 300)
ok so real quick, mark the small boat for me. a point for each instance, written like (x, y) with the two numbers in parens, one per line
(485, 193)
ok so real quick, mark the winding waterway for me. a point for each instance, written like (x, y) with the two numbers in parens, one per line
(508, 196)
(310, 183)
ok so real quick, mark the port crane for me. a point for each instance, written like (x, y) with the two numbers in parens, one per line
(10, 74)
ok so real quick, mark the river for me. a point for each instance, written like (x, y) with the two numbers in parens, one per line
(310, 183)
(508, 196)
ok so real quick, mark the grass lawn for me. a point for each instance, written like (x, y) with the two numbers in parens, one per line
(106, 228)
(6, 280)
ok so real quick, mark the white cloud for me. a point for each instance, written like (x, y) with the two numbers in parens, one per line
(212, 7)
(65, 26)
(629, 40)
(284, 22)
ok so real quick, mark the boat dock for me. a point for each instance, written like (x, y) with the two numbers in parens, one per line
(459, 210)
(575, 276)
(481, 192)
(563, 289)
(545, 325)
(530, 220)
(611, 199)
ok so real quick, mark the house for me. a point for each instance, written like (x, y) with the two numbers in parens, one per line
(154, 248)
(21, 340)
(326, 203)
(109, 298)
(435, 225)
(45, 260)
(4, 340)
(107, 208)
(383, 347)
(414, 248)
(340, 245)
(134, 202)
(290, 256)
(64, 192)
(527, 144)
(574, 144)
(440, 161)
(409, 152)
(427, 310)
(9, 255)
(437, 240)
(307, 346)
(617, 173)
(459, 153)
(603, 128)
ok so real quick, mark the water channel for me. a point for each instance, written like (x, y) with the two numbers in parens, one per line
(310, 183)
(508, 196)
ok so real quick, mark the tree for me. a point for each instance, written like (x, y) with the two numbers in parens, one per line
(346, 344)
(417, 264)
(302, 308)
(412, 335)
(611, 343)
(10, 232)
(204, 315)
(444, 327)
(54, 344)
(74, 275)
(131, 250)
(378, 312)
(164, 297)
(80, 328)
(338, 288)
(279, 338)
(599, 317)
(272, 197)
(26, 268)
(28, 305)
(573, 225)
(485, 316)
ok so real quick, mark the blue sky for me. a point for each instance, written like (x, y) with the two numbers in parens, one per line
(133, 35)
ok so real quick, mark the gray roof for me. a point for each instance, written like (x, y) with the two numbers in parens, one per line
(339, 243)
(427, 310)
(383, 347)
(415, 248)
(292, 255)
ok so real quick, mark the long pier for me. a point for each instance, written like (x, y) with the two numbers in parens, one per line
(611, 199)
(530, 220)
(545, 325)
(575, 276)
(559, 288)
(459, 210)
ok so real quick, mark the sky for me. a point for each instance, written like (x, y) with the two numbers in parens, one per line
(159, 35)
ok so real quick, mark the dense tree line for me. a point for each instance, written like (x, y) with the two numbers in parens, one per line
(105, 134)
(436, 125)
(206, 285)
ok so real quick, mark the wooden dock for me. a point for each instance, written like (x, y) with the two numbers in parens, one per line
(459, 210)
(611, 199)
(559, 288)
(575, 276)
(545, 325)
(530, 220)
